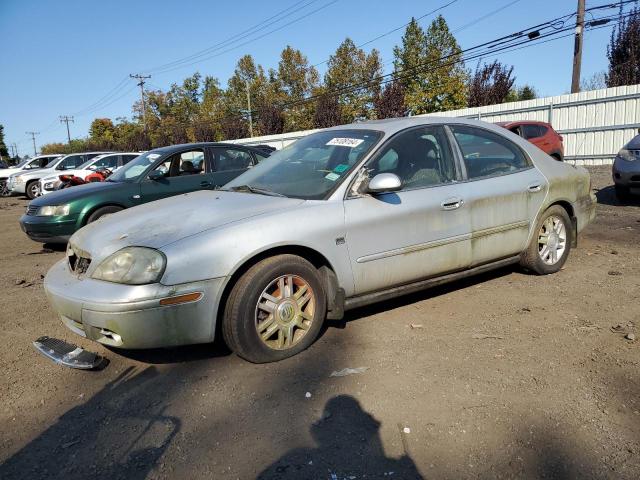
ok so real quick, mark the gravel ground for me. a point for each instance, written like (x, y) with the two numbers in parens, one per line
(507, 375)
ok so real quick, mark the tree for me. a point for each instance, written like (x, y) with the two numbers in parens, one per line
(390, 102)
(350, 66)
(623, 52)
(490, 84)
(525, 92)
(328, 111)
(270, 120)
(429, 66)
(4, 152)
(595, 82)
(294, 80)
(102, 133)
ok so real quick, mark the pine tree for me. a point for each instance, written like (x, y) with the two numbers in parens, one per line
(623, 52)
(350, 66)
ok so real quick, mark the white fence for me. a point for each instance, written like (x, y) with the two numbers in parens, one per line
(594, 124)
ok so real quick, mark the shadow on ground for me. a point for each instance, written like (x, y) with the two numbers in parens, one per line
(607, 196)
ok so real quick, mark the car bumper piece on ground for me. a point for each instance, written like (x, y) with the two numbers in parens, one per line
(132, 316)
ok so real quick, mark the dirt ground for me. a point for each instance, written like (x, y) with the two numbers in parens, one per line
(507, 375)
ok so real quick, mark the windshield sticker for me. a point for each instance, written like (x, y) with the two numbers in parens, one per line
(345, 142)
(332, 176)
(341, 168)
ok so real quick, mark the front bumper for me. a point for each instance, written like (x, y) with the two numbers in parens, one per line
(48, 229)
(130, 316)
(626, 174)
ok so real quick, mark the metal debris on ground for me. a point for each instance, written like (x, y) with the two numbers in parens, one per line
(348, 371)
(630, 336)
(416, 325)
(481, 336)
(68, 354)
(614, 273)
(307, 395)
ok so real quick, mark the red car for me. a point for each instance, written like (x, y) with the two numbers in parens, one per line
(541, 134)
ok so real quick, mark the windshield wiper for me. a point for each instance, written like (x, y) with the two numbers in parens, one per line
(252, 189)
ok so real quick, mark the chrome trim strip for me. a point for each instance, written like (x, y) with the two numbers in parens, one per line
(444, 241)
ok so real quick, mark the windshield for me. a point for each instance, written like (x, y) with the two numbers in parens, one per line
(311, 167)
(52, 163)
(135, 168)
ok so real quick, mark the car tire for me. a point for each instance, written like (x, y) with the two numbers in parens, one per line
(33, 189)
(550, 243)
(101, 212)
(622, 193)
(258, 329)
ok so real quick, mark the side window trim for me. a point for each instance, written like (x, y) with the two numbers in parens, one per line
(447, 143)
(458, 152)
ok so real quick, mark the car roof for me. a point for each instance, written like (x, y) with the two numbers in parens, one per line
(172, 148)
(522, 122)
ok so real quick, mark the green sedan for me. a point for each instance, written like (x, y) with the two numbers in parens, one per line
(157, 174)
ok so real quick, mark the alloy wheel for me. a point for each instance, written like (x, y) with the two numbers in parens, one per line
(552, 240)
(285, 312)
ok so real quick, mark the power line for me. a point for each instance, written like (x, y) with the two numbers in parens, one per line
(208, 57)
(238, 36)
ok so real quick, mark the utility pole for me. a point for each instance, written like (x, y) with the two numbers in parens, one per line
(249, 109)
(141, 83)
(15, 149)
(66, 119)
(33, 137)
(577, 48)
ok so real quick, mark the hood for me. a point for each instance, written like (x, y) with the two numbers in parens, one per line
(634, 143)
(162, 222)
(35, 173)
(60, 197)
(6, 172)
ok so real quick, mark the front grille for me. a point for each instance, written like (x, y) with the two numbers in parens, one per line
(79, 265)
(32, 210)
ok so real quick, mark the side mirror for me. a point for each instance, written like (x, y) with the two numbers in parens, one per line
(384, 182)
(156, 175)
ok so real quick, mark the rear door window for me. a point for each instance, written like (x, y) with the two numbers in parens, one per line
(530, 131)
(229, 159)
(486, 153)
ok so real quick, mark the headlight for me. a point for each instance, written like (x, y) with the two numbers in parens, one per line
(53, 210)
(629, 155)
(132, 266)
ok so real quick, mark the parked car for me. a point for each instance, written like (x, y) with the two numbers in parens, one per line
(112, 161)
(28, 183)
(341, 218)
(156, 174)
(29, 164)
(626, 169)
(541, 134)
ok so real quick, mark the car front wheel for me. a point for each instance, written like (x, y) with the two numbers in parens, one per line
(275, 310)
(33, 189)
(551, 242)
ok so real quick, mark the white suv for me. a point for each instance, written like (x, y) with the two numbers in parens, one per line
(112, 161)
(25, 165)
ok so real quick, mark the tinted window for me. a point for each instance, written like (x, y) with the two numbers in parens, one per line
(127, 158)
(232, 159)
(530, 131)
(542, 130)
(487, 153)
(421, 157)
(109, 161)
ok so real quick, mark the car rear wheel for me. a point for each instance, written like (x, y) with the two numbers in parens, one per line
(101, 212)
(551, 242)
(275, 310)
(33, 189)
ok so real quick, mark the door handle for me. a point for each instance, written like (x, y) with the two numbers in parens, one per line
(205, 184)
(452, 203)
(536, 187)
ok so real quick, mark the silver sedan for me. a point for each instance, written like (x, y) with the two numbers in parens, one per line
(341, 218)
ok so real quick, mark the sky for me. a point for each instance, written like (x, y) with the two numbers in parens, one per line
(61, 57)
